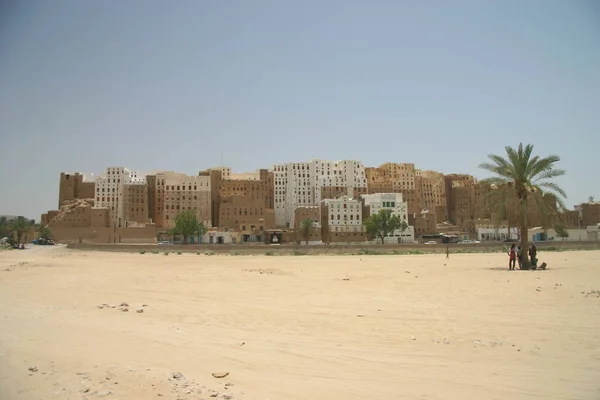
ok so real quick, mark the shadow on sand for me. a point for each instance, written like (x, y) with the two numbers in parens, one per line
(516, 269)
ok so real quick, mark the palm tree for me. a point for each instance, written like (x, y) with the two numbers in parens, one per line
(306, 227)
(20, 226)
(525, 178)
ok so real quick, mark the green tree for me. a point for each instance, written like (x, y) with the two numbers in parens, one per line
(382, 224)
(19, 227)
(4, 227)
(403, 227)
(306, 227)
(202, 229)
(186, 225)
(527, 179)
(45, 232)
(561, 231)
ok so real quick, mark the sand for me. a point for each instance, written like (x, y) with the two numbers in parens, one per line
(304, 327)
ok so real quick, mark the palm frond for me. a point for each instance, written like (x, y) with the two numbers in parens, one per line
(540, 166)
(496, 181)
(552, 187)
(544, 211)
(549, 174)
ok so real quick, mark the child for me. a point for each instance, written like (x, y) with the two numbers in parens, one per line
(447, 252)
(512, 257)
(519, 256)
(532, 255)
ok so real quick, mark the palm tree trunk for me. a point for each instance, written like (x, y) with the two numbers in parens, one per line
(525, 264)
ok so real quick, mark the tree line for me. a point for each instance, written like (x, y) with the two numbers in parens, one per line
(16, 230)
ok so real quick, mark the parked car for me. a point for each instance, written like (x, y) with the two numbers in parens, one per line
(43, 241)
(431, 242)
(163, 242)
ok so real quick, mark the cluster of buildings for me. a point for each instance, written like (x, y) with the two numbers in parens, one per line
(268, 205)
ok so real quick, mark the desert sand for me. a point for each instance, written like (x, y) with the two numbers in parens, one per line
(304, 327)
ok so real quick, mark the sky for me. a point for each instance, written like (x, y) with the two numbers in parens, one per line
(159, 85)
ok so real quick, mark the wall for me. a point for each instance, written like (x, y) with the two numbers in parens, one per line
(104, 234)
(575, 235)
(246, 216)
(221, 237)
(423, 223)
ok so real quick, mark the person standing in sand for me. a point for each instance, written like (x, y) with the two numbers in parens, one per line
(447, 252)
(512, 257)
(533, 255)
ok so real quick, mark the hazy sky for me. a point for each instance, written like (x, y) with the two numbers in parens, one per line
(167, 84)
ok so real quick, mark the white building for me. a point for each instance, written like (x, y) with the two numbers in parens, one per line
(109, 191)
(343, 221)
(394, 202)
(301, 184)
(486, 233)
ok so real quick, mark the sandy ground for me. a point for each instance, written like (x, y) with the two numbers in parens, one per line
(306, 327)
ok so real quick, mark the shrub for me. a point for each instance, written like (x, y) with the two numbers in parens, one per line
(143, 252)
(369, 252)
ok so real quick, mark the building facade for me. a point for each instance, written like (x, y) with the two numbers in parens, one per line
(396, 178)
(170, 193)
(241, 199)
(313, 213)
(75, 186)
(110, 193)
(590, 213)
(373, 203)
(341, 221)
(305, 184)
(433, 193)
